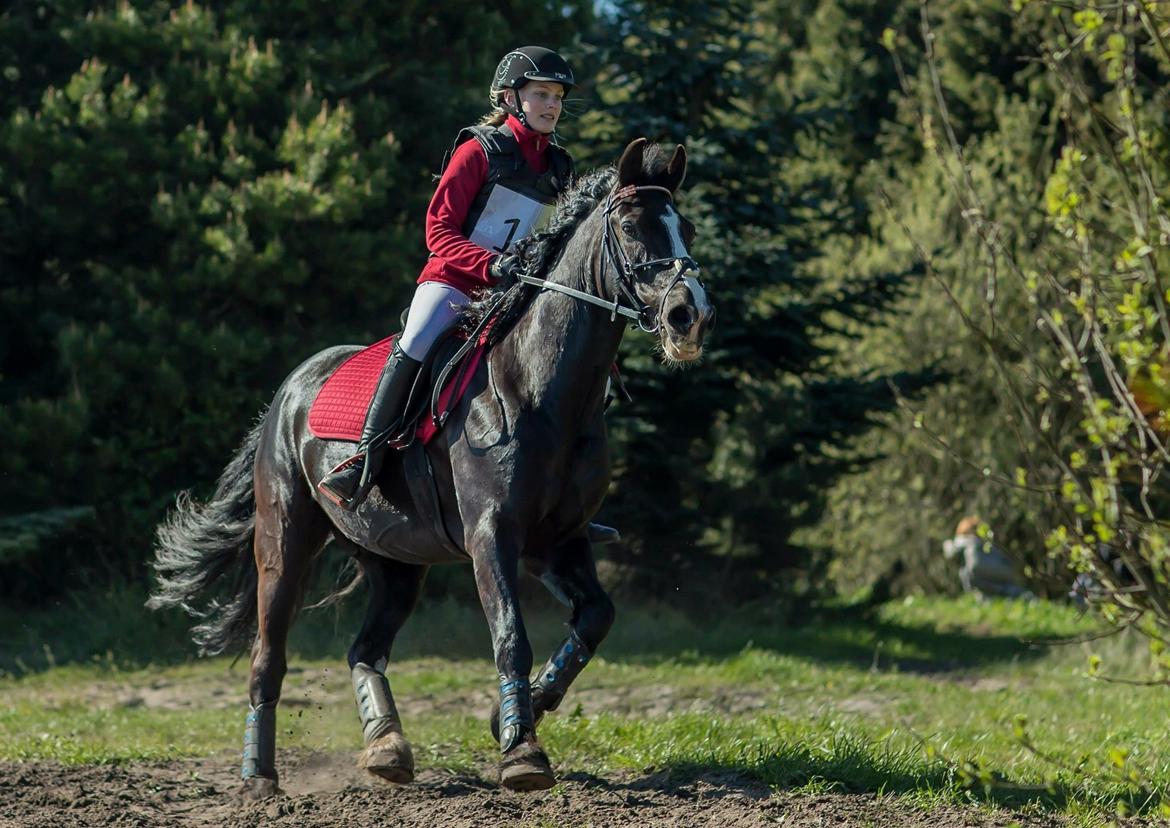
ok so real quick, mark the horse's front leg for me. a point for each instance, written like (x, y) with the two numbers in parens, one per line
(570, 573)
(572, 577)
(496, 557)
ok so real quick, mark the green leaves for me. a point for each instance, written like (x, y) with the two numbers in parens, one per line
(193, 198)
(23, 537)
(777, 107)
(1060, 195)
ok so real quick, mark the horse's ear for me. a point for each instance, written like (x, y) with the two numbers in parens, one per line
(630, 165)
(676, 170)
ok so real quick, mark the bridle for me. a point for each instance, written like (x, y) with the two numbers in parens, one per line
(616, 257)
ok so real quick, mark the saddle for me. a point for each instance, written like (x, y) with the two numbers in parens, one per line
(339, 410)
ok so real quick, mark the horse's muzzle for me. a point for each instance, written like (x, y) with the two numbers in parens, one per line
(687, 321)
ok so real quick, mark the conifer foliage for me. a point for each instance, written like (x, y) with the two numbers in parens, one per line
(720, 465)
(1088, 272)
(193, 198)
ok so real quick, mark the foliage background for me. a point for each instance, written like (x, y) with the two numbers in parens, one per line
(195, 197)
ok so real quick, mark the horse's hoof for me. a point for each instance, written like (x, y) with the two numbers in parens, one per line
(390, 757)
(526, 768)
(256, 788)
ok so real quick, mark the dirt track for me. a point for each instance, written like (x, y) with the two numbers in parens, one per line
(328, 790)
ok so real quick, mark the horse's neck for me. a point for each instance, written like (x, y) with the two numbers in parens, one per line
(563, 347)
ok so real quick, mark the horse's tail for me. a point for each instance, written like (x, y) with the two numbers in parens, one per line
(199, 544)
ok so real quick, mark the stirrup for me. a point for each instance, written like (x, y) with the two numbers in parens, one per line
(364, 485)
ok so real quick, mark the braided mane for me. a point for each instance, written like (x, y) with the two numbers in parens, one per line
(541, 251)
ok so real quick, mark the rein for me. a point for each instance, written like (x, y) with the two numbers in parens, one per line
(616, 256)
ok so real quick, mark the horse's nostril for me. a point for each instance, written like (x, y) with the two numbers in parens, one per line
(680, 318)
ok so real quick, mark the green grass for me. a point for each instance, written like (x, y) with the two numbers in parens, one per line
(923, 700)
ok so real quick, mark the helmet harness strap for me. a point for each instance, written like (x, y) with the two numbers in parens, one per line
(518, 110)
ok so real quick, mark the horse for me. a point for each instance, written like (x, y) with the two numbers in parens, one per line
(520, 468)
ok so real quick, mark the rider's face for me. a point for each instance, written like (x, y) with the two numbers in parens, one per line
(541, 104)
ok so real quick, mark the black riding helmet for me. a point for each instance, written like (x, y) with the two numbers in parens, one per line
(529, 63)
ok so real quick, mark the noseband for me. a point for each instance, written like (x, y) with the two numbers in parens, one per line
(617, 257)
(647, 318)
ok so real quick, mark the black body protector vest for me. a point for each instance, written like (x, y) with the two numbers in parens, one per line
(515, 200)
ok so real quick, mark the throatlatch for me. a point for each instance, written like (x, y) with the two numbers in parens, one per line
(564, 666)
(515, 712)
(260, 742)
(375, 704)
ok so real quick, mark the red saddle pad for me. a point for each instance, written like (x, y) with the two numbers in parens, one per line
(339, 411)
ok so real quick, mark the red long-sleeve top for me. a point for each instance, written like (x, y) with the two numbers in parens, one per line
(455, 260)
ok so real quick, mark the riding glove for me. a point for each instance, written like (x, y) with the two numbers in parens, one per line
(506, 267)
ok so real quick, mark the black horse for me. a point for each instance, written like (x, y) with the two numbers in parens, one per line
(520, 469)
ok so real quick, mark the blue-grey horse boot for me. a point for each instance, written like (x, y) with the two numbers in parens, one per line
(553, 680)
(599, 534)
(524, 765)
(259, 765)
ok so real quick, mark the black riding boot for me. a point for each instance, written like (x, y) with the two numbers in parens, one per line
(343, 485)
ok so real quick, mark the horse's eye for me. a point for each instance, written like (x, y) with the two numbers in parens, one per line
(628, 227)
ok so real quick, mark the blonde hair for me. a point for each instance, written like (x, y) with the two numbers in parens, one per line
(496, 115)
(968, 525)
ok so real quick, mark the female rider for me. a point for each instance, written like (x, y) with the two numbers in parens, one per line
(494, 190)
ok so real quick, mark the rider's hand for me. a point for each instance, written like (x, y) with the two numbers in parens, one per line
(506, 268)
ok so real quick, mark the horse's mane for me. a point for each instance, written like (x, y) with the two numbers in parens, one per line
(541, 251)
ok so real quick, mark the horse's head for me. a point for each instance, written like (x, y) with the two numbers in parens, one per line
(649, 242)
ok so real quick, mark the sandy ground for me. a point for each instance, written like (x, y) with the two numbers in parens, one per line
(329, 790)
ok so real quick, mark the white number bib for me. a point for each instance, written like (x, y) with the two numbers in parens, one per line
(508, 217)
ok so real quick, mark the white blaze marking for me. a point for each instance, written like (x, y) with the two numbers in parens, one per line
(700, 296)
(678, 249)
(673, 222)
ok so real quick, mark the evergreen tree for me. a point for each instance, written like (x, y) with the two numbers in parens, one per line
(1088, 265)
(192, 200)
(957, 451)
(720, 465)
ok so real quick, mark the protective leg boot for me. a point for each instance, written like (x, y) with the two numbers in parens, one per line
(349, 483)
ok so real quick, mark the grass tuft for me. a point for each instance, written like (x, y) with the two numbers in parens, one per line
(931, 700)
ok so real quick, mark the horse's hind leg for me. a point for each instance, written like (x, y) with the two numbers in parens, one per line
(394, 590)
(571, 575)
(290, 530)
